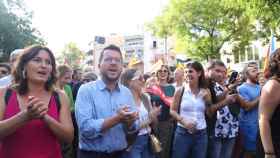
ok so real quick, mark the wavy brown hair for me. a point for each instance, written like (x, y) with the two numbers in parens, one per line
(20, 82)
(168, 72)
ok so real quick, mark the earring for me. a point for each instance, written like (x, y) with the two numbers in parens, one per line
(24, 74)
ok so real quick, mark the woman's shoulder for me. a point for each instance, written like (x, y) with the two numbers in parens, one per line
(272, 86)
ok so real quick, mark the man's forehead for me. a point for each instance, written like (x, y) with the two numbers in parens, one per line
(111, 53)
(252, 68)
(221, 68)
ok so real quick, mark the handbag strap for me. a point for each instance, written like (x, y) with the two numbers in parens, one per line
(180, 99)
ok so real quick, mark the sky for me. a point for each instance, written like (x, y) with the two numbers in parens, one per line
(63, 21)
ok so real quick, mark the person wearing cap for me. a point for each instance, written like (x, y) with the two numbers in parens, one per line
(6, 81)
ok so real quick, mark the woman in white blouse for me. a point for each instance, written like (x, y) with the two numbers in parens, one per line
(188, 109)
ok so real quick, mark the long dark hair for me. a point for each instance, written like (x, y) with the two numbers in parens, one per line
(274, 62)
(20, 81)
(199, 68)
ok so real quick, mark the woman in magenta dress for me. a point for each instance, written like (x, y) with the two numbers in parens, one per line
(34, 118)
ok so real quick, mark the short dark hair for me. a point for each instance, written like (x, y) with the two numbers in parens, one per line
(199, 68)
(212, 63)
(110, 47)
(7, 66)
(21, 84)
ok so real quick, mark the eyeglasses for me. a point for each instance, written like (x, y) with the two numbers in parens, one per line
(162, 71)
(110, 60)
(86, 80)
(4, 72)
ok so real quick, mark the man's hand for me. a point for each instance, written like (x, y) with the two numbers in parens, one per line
(230, 99)
(126, 116)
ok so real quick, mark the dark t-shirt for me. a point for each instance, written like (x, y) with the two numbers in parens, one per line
(168, 90)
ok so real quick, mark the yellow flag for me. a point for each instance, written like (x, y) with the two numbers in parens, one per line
(180, 66)
(133, 62)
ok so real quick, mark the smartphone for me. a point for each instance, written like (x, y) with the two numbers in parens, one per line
(233, 77)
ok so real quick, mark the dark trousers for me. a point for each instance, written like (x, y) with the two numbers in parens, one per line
(75, 142)
(93, 154)
(164, 131)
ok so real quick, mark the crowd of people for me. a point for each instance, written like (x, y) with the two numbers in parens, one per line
(196, 111)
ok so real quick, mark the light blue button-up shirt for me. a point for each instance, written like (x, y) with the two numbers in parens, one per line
(94, 104)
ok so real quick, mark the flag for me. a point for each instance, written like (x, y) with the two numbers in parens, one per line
(180, 66)
(133, 62)
(273, 45)
(271, 49)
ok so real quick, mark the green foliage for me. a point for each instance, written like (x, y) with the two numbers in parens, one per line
(15, 27)
(71, 55)
(206, 25)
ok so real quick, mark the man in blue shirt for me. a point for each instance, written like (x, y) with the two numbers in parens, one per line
(103, 109)
(250, 92)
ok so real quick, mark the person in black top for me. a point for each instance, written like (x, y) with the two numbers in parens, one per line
(269, 110)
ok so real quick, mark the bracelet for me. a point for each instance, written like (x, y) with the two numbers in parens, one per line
(269, 153)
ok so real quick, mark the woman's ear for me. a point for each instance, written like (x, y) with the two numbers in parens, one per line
(129, 83)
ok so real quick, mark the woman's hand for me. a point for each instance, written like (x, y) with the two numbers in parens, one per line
(189, 125)
(36, 108)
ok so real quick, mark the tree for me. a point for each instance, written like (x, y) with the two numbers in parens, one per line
(16, 29)
(206, 25)
(71, 55)
(266, 12)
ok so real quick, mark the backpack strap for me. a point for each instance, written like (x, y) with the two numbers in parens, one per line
(57, 100)
(8, 94)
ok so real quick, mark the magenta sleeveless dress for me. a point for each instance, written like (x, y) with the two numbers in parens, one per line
(34, 139)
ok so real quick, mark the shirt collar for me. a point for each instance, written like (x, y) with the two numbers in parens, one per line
(103, 86)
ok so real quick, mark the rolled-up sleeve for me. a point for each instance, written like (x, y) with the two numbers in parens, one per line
(243, 93)
(89, 126)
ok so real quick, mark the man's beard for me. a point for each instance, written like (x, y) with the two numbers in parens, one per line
(254, 79)
(108, 79)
